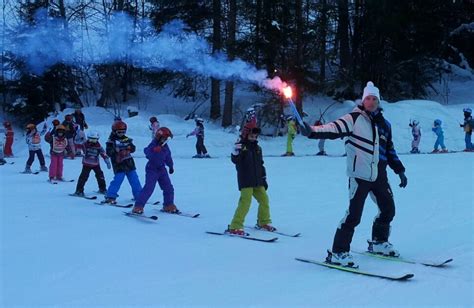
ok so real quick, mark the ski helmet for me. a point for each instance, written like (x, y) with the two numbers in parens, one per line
(7, 124)
(250, 110)
(199, 120)
(93, 135)
(163, 135)
(60, 129)
(68, 118)
(467, 110)
(437, 122)
(30, 126)
(415, 122)
(119, 125)
(153, 120)
(56, 122)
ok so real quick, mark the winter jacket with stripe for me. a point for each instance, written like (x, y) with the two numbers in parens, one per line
(365, 147)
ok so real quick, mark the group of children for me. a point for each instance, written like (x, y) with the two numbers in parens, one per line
(468, 126)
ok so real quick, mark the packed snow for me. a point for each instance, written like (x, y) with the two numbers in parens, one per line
(63, 251)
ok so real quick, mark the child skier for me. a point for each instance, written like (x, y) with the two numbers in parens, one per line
(8, 139)
(291, 124)
(199, 133)
(33, 140)
(58, 143)
(416, 132)
(79, 139)
(2, 156)
(159, 156)
(90, 161)
(154, 126)
(321, 142)
(70, 133)
(248, 159)
(440, 139)
(119, 148)
(468, 126)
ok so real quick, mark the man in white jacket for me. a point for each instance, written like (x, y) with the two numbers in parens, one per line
(369, 149)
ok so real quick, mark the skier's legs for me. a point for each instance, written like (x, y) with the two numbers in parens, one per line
(83, 178)
(134, 181)
(467, 139)
(321, 145)
(437, 143)
(263, 216)
(115, 185)
(59, 170)
(145, 194)
(71, 147)
(31, 159)
(289, 144)
(53, 165)
(99, 175)
(358, 191)
(242, 209)
(167, 188)
(441, 142)
(384, 199)
(41, 158)
(8, 147)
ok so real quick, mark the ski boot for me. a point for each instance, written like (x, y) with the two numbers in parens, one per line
(207, 156)
(321, 153)
(27, 170)
(44, 169)
(109, 201)
(341, 258)
(444, 151)
(170, 208)
(434, 151)
(288, 154)
(79, 194)
(239, 232)
(266, 227)
(137, 210)
(382, 248)
(102, 191)
(2, 161)
(198, 156)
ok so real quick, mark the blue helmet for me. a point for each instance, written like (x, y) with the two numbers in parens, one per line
(468, 110)
(437, 122)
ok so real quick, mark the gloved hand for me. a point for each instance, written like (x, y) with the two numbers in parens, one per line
(403, 180)
(157, 149)
(107, 162)
(171, 170)
(85, 126)
(187, 135)
(237, 148)
(306, 129)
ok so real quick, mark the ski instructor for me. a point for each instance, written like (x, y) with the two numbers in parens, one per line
(369, 150)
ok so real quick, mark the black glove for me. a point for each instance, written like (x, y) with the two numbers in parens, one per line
(403, 180)
(306, 129)
(171, 170)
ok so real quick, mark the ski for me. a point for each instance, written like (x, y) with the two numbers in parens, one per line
(114, 204)
(85, 197)
(179, 213)
(23, 172)
(276, 232)
(130, 214)
(246, 236)
(403, 260)
(355, 270)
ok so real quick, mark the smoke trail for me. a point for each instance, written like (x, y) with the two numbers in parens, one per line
(173, 49)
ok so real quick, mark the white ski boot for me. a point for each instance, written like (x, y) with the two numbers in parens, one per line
(341, 258)
(383, 248)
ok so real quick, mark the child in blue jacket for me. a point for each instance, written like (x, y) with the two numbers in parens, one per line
(440, 140)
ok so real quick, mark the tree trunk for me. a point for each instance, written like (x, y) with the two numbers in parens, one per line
(323, 30)
(229, 85)
(343, 35)
(216, 46)
(299, 55)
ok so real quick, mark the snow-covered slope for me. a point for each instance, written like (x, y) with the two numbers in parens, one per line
(58, 250)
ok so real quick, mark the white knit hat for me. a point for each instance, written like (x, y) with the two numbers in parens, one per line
(370, 89)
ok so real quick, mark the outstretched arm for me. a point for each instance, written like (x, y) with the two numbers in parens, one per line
(340, 128)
